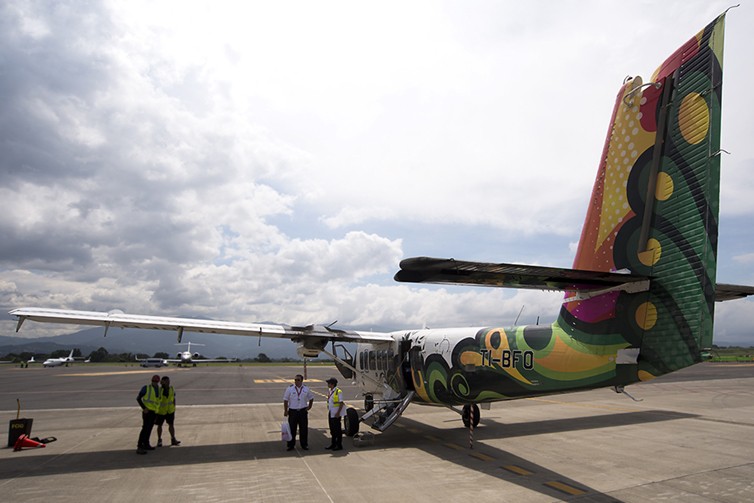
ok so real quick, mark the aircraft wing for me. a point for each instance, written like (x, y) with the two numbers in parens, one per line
(119, 319)
(459, 272)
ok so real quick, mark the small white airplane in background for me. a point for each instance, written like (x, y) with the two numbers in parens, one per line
(189, 358)
(56, 362)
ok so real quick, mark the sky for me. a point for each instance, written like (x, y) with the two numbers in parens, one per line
(274, 161)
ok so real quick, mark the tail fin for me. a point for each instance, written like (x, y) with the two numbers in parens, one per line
(654, 211)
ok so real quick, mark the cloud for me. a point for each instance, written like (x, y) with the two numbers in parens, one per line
(275, 162)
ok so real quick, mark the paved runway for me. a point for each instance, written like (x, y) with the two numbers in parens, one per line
(690, 439)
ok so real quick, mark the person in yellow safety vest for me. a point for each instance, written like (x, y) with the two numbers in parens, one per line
(336, 409)
(149, 401)
(166, 412)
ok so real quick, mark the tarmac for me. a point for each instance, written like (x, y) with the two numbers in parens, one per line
(690, 439)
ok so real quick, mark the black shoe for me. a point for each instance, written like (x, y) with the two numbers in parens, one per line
(175, 442)
(329, 447)
(149, 448)
(305, 448)
(141, 451)
(289, 449)
(337, 448)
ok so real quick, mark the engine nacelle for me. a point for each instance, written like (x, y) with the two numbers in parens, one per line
(305, 352)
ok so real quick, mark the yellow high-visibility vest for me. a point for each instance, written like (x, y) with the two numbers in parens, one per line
(167, 403)
(150, 400)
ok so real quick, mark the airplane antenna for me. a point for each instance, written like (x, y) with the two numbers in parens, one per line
(519, 315)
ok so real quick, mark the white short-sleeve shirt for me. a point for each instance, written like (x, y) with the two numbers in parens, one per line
(298, 398)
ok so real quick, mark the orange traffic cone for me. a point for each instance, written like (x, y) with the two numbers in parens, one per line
(25, 441)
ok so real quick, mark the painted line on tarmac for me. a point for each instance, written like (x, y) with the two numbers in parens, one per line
(79, 409)
(112, 373)
(517, 470)
(283, 381)
(486, 458)
(566, 488)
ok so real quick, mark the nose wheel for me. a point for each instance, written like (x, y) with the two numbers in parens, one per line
(467, 415)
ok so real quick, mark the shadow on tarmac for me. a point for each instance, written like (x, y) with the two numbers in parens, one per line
(448, 445)
(510, 467)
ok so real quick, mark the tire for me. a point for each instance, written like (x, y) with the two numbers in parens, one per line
(466, 413)
(351, 422)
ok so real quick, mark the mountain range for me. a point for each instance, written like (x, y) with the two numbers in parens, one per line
(149, 342)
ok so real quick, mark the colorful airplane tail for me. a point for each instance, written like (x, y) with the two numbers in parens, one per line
(654, 212)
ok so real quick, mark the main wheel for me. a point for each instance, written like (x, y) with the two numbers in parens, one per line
(368, 402)
(351, 422)
(466, 415)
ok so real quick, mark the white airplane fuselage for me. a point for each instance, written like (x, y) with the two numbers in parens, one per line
(57, 362)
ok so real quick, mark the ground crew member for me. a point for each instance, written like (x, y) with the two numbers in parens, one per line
(149, 401)
(336, 409)
(166, 411)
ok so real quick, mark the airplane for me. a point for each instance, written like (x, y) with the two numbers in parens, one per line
(639, 300)
(189, 358)
(57, 362)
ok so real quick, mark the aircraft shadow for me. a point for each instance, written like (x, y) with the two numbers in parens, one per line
(510, 467)
(447, 444)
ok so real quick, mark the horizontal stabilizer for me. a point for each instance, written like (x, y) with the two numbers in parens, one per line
(458, 272)
(730, 292)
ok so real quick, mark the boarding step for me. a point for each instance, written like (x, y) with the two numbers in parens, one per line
(392, 412)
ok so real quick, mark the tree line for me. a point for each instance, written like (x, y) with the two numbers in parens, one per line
(102, 355)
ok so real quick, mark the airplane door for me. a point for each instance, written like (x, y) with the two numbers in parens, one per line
(405, 355)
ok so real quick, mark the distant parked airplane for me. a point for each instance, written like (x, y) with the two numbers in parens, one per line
(189, 358)
(58, 362)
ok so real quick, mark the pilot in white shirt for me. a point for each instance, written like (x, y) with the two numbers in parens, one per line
(297, 400)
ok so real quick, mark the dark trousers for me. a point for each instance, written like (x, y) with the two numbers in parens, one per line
(299, 419)
(336, 431)
(147, 419)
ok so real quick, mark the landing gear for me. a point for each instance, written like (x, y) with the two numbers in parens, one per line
(466, 416)
(351, 422)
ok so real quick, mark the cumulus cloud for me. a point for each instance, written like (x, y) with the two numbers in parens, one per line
(273, 163)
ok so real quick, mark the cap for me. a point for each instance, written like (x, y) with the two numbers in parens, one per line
(155, 378)
(332, 380)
